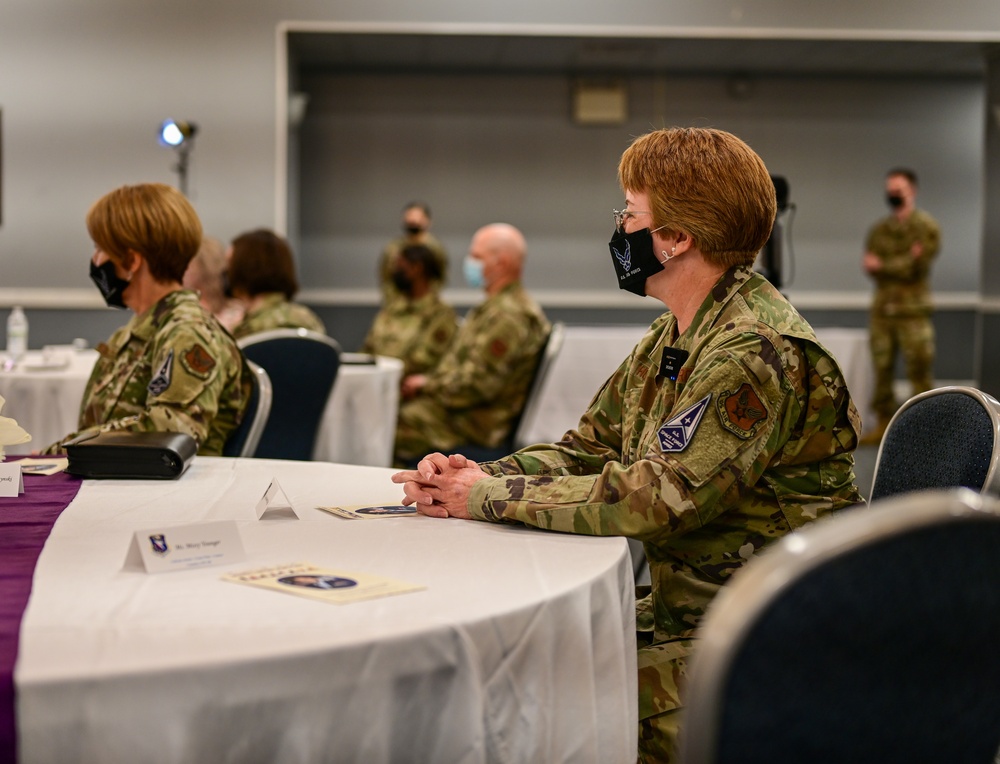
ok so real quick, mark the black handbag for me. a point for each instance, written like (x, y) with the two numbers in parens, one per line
(136, 455)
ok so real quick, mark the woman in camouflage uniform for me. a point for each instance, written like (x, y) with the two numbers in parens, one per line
(262, 276)
(172, 367)
(727, 427)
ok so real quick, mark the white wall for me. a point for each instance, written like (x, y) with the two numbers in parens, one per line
(83, 87)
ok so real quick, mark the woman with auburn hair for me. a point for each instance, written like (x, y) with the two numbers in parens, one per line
(172, 367)
(725, 428)
(262, 276)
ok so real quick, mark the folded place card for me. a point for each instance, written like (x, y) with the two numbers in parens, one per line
(275, 504)
(182, 547)
(11, 480)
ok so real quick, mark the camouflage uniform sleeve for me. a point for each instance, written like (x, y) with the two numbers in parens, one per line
(491, 348)
(660, 494)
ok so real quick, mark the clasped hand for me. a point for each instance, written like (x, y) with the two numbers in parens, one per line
(440, 485)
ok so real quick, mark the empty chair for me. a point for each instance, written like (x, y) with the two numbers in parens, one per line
(867, 637)
(244, 439)
(519, 427)
(942, 438)
(302, 366)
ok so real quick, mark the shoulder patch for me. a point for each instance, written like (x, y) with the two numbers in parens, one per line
(198, 361)
(676, 432)
(741, 412)
(163, 377)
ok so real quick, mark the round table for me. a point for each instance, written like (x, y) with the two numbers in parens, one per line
(520, 648)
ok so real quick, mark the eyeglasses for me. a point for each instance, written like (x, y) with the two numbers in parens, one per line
(623, 216)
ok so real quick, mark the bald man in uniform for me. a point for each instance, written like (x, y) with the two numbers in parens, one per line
(480, 385)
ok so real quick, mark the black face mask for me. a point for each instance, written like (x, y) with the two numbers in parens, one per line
(402, 282)
(109, 283)
(895, 201)
(633, 258)
(413, 230)
(227, 287)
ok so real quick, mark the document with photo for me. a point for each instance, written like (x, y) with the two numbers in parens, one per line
(337, 586)
(361, 512)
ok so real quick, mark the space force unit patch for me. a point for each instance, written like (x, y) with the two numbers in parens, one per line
(676, 432)
(161, 380)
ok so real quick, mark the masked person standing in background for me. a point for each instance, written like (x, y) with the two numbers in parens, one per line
(416, 230)
(172, 367)
(726, 427)
(898, 257)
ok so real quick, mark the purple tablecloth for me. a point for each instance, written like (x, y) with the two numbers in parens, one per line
(25, 523)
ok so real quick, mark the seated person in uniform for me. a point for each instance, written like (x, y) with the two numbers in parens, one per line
(206, 275)
(262, 276)
(417, 327)
(726, 427)
(172, 367)
(481, 383)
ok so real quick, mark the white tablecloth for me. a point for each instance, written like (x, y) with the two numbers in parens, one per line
(44, 396)
(590, 354)
(521, 649)
(359, 423)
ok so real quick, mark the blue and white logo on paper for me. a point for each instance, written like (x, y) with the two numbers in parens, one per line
(159, 543)
(676, 433)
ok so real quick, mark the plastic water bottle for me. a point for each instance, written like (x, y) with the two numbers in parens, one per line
(17, 334)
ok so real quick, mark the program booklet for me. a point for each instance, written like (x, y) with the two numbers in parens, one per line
(337, 586)
(361, 512)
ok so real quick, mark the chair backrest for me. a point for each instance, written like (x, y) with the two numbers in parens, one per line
(870, 636)
(302, 366)
(546, 359)
(943, 438)
(244, 439)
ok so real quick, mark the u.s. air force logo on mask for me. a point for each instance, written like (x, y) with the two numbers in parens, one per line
(625, 260)
(676, 432)
(161, 380)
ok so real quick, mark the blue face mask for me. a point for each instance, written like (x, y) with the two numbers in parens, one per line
(472, 269)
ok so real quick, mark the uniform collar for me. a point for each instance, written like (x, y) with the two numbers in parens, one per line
(146, 324)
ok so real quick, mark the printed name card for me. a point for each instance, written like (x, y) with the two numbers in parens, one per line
(275, 504)
(183, 547)
(11, 480)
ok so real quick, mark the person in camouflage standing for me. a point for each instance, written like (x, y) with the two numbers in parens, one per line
(172, 367)
(898, 256)
(261, 275)
(418, 327)
(726, 427)
(477, 389)
(416, 230)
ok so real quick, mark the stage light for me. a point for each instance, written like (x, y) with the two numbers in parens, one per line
(176, 133)
(179, 135)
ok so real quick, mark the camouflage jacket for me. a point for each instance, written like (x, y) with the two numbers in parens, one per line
(484, 377)
(902, 285)
(171, 369)
(754, 439)
(275, 312)
(416, 331)
(387, 262)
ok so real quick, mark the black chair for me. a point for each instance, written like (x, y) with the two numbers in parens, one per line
(867, 637)
(302, 366)
(244, 439)
(519, 427)
(943, 438)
